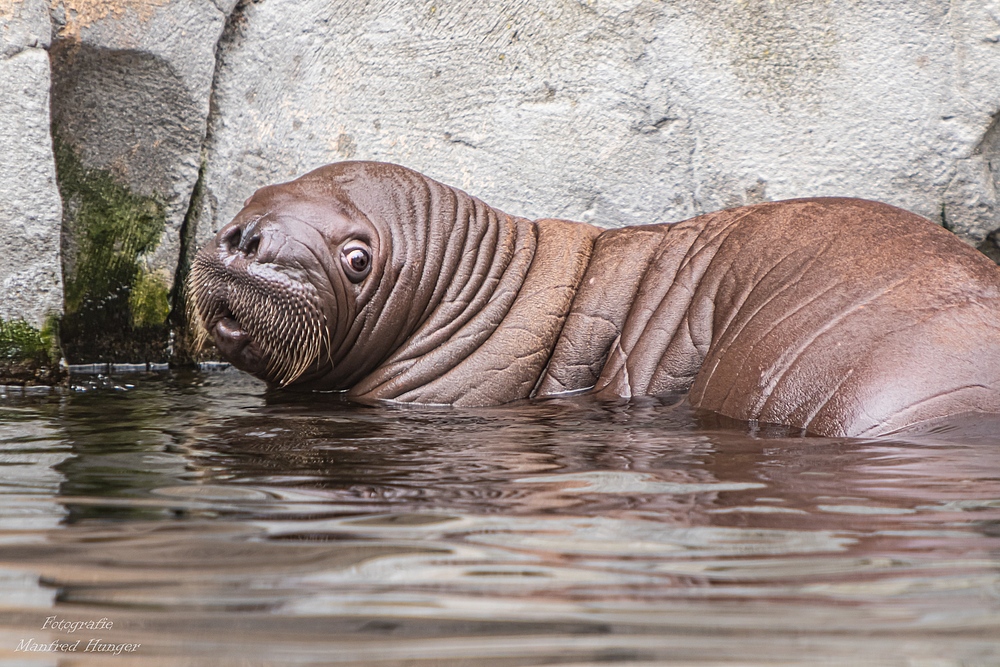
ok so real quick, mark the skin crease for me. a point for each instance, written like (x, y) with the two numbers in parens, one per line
(842, 317)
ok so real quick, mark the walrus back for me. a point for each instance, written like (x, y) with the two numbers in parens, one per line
(839, 316)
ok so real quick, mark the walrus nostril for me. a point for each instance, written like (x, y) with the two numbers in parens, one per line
(250, 239)
(232, 239)
(250, 246)
(242, 240)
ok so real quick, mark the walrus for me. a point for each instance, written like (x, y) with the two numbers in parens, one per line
(841, 317)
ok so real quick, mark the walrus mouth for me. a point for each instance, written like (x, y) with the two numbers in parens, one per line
(230, 336)
(261, 320)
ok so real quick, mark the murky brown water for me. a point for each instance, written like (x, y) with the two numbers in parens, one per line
(210, 524)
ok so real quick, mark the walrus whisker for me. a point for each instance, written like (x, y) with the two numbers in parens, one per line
(195, 289)
(286, 326)
(329, 348)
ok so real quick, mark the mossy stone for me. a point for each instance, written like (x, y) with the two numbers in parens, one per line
(29, 355)
(115, 309)
(19, 341)
(149, 301)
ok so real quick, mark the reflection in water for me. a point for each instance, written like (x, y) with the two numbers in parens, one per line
(216, 524)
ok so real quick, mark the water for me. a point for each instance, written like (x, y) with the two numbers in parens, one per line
(194, 519)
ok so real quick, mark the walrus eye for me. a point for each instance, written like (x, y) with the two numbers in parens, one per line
(357, 261)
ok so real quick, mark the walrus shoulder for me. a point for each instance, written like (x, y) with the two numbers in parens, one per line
(640, 322)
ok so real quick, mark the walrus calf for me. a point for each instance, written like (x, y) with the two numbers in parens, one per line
(838, 316)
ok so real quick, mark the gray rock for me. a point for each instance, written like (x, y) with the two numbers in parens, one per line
(30, 211)
(619, 111)
(130, 98)
(24, 24)
(131, 88)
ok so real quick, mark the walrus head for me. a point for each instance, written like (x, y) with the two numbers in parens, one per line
(319, 280)
(273, 285)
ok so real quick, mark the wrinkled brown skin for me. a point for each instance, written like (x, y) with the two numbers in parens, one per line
(839, 316)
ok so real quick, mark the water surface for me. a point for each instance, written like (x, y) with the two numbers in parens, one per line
(211, 523)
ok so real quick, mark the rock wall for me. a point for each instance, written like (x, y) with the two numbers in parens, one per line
(31, 289)
(620, 111)
(131, 84)
(30, 210)
(167, 114)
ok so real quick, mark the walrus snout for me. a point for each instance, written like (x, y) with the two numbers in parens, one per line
(249, 239)
(262, 316)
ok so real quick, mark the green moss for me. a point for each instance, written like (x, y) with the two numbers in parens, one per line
(149, 301)
(29, 355)
(19, 341)
(114, 309)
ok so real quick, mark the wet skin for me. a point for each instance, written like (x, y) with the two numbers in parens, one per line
(838, 316)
